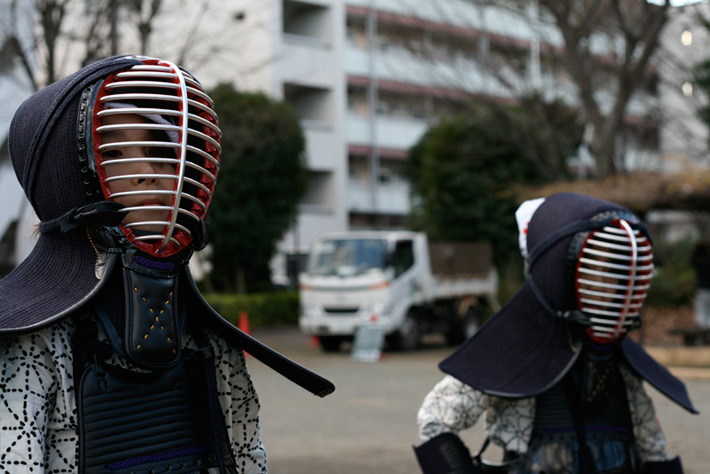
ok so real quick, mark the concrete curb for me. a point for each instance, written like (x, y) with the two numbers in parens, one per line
(681, 356)
(691, 373)
(683, 361)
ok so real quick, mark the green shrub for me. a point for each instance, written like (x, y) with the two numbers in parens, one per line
(264, 309)
(674, 282)
(511, 276)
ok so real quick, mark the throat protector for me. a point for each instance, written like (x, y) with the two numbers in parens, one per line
(152, 328)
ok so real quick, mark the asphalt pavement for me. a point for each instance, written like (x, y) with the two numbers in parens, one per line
(369, 424)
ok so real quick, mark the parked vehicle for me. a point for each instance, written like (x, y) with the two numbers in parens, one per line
(398, 280)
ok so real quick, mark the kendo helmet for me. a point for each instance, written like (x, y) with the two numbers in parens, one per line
(66, 142)
(591, 263)
(149, 139)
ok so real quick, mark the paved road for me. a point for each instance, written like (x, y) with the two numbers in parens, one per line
(368, 424)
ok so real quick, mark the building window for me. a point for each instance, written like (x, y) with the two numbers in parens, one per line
(686, 37)
(304, 19)
(687, 89)
(403, 257)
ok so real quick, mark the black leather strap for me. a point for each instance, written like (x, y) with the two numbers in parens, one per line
(103, 213)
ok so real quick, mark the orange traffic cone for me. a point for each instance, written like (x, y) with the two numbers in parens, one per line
(243, 326)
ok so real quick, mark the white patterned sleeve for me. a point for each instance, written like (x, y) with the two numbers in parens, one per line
(650, 442)
(241, 406)
(450, 407)
(27, 393)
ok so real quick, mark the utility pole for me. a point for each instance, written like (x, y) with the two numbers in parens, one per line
(113, 26)
(372, 96)
(535, 71)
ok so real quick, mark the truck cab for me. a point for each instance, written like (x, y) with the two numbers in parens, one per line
(369, 277)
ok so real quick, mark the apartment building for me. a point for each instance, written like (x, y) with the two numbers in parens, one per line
(369, 77)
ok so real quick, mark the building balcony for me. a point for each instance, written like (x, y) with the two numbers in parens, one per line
(307, 60)
(457, 17)
(398, 71)
(398, 65)
(323, 149)
(391, 197)
(392, 132)
(498, 24)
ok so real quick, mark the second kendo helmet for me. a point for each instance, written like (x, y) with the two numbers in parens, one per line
(589, 262)
(589, 265)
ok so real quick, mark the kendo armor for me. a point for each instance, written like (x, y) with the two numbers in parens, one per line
(149, 143)
(562, 338)
(149, 148)
(136, 147)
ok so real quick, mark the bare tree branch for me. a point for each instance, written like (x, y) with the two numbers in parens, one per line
(51, 14)
(15, 47)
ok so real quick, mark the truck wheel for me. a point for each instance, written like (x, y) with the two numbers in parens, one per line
(463, 328)
(330, 343)
(409, 335)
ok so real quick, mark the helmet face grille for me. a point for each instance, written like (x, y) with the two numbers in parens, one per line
(614, 270)
(156, 142)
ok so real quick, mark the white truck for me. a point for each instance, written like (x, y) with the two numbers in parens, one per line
(398, 280)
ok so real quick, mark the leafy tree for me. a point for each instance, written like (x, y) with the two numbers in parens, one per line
(463, 171)
(261, 180)
(600, 54)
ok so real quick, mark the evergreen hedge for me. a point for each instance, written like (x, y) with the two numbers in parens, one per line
(264, 309)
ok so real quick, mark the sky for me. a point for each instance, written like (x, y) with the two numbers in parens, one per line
(676, 3)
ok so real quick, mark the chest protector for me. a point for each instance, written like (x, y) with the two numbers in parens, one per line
(583, 424)
(155, 421)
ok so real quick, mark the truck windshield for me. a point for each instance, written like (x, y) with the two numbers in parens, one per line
(347, 257)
